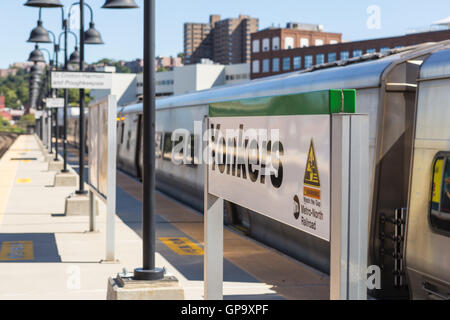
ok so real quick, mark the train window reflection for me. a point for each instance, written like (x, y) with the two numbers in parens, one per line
(122, 132)
(167, 150)
(445, 207)
(186, 157)
(440, 194)
(158, 144)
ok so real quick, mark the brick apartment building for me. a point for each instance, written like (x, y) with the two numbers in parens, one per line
(225, 41)
(135, 66)
(168, 62)
(297, 53)
(7, 72)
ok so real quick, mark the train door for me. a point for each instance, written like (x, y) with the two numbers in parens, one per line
(427, 249)
(139, 147)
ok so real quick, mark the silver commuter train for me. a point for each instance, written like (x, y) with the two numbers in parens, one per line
(406, 93)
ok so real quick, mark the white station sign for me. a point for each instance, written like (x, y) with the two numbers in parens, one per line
(81, 80)
(296, 189)
(53, 103)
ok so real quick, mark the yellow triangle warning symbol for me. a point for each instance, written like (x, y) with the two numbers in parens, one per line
(312, 170)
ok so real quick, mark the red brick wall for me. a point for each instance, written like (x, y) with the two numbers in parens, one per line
(364, 45)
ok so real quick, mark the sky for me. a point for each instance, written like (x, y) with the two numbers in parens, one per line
(123, 36)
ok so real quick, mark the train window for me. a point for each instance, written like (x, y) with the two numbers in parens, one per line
(122, 132)
(167, 150)
(158, 144)
(440, 194)
(187, 157)
(129, 140)
(192, 160)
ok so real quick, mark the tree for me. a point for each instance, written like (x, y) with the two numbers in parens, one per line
(162, 69)
(27, 120)
(15, 89)
(74, 97)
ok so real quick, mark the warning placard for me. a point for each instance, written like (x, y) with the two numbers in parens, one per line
(311, 214)
(312, 171)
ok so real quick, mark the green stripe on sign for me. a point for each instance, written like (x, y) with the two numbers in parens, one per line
(311, 103)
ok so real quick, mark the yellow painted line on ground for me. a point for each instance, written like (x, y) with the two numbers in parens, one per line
(23, 180)
(9, 171)
(16, 250)
(182, 246)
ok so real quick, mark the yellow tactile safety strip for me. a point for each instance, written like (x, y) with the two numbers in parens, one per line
(16, 250)
(23, 180)
(8, 171)
(182, 246)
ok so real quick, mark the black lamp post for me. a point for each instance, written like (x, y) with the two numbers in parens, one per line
(90, 36)
(66, 91)
(37, 56)
(40, 35)
(43, 3)
(75, 57)
(35, 78)
(148, 271)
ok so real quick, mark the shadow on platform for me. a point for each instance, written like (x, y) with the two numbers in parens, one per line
(28, 247)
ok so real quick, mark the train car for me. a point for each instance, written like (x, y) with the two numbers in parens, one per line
(428, 225)
(73, 126)
(396, 90)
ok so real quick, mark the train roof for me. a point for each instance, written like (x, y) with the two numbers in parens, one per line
(355, 73)
(436, 66)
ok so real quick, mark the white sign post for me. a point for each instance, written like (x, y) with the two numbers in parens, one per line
(81, 80)
(53, 103)
(102, 165)
(272, 156)
(49, 132)
(350, 206)
(44, 128)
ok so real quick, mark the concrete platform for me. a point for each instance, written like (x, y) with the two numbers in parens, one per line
(77, 205)
(65, 179)
(49, 157)
(126, 288)
(55, 165)
(46, 255)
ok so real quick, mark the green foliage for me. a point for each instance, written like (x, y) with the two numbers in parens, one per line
(121, 69)
(5, 126)
(74, 97)
(28, 119)
(163, 69)
(15, 89)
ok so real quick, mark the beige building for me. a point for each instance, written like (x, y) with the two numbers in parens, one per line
(225, 41)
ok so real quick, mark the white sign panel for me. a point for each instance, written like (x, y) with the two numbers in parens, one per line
(283, 173)
(54, 103)
(81, 80)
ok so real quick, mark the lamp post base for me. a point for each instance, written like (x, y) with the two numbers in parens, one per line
(127, 287)
(149, 275)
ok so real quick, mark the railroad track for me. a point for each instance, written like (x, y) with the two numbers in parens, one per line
(6, 140)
